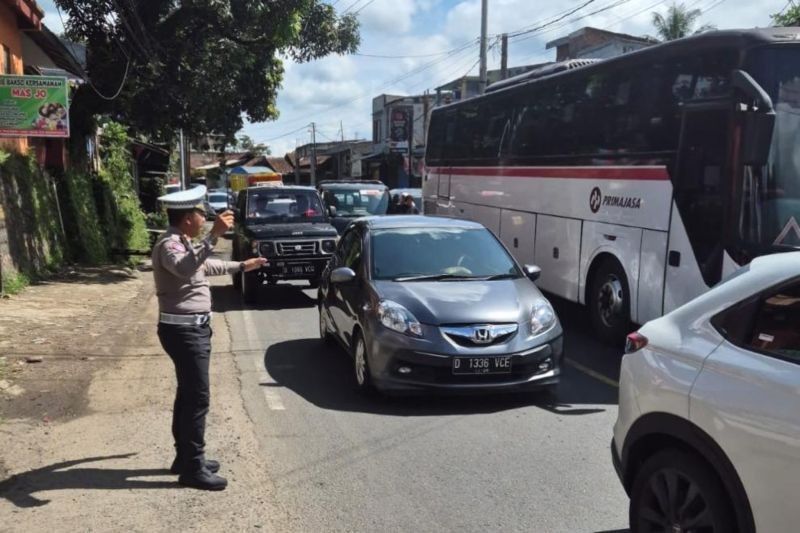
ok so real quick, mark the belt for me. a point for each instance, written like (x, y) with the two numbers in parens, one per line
(200, 319)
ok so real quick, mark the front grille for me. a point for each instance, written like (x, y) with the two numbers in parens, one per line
(480, 335)
(297, 248)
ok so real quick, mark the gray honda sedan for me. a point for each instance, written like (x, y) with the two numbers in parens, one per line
(435, 303)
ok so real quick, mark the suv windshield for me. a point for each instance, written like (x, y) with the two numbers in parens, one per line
(447, 252)
(271, 205)
(770, 202)
(350, 202)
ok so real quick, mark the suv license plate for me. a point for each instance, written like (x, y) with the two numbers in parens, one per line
(299, 269)
(482, 365)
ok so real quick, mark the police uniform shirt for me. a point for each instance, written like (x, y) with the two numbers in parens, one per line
(180, 270)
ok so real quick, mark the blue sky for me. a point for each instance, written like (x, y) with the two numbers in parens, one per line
(339, 89)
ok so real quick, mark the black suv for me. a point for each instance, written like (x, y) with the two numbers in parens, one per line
(346, 200)
(288, 226)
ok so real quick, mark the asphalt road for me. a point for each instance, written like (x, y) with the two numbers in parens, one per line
(342, 462)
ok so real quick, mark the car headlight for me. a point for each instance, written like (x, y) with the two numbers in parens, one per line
(267, 249)
(396, 317)
(328, 246)
(542, 316)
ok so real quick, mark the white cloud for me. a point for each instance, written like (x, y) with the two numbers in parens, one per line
(388, 17)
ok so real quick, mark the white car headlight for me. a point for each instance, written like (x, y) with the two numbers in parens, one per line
(542, 317)
(395, 316)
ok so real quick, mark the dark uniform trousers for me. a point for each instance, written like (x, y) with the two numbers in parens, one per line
(189, 347)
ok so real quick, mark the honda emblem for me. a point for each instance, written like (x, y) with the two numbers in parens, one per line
(482, 336)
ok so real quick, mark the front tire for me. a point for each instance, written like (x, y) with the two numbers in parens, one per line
(610, 302)
(677, 491)
(324, 335)
(363, 379)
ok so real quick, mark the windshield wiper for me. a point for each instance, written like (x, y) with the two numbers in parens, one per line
(501, 276)
(437, 277)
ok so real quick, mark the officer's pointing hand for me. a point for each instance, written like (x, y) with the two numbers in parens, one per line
(222, 223)
(254, 263)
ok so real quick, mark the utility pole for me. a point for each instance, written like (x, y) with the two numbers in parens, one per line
(425, 119)
(504, 56)
(313, 154)
(341, 129)
(484, 22)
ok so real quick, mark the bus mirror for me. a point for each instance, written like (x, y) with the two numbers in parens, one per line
(757, 137)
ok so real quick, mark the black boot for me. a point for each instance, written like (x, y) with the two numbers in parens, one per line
(178, 467)
(203, 479)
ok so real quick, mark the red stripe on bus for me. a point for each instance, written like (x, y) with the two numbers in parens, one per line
(596, 173)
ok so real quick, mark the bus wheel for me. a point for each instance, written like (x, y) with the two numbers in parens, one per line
(609, 302)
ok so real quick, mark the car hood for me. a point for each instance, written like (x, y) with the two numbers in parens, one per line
(272, 231)
(463, 302)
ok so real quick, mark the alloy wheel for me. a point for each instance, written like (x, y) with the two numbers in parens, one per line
(674, 503)
(360, 362)
(610, 301)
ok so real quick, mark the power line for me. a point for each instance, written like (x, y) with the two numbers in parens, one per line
(88, 78)
(360, 9)
(560, 18)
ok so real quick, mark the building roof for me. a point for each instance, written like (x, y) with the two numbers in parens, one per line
(56, 49)
(252, 170)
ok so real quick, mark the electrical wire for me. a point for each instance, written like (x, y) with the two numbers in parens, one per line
(86, 76)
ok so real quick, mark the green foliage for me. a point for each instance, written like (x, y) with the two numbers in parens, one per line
(678, 22)
(84, 230)
(36, 240)
(789, 17)
(125, 226)
(15, 283)
(246, 144)
(201, 65)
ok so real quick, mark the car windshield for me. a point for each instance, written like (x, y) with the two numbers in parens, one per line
(270, 205)
(358, 202)
(220, 198)
(445, 253)
(768, 210)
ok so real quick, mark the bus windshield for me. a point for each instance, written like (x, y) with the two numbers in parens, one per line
(769, 214)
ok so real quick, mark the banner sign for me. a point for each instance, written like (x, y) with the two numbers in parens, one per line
(34, 106)
(400, 123)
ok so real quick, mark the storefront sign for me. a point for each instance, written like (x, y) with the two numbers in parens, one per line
(34, 106)
(400, 123)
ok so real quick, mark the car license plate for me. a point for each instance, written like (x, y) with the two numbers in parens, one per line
(482, 365)
(299, 269)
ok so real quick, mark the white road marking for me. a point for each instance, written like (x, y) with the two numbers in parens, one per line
(265, 381)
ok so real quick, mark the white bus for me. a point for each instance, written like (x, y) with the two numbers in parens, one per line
(635, 183)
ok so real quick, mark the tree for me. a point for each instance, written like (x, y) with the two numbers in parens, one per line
(247, 144)
(789, 17)
(200, 65)
(678, 22)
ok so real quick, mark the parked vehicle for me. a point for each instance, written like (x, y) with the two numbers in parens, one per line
(636, 182)
(397, 196)
(288, 226)
(219, 200)
(708, 429)
(434, 303)
(346, 200)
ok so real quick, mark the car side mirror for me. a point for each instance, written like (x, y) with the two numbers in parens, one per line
(331, 211)
(342, 275)
(533, 272)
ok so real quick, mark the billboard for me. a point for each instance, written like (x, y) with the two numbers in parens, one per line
(34, 106)
(400, 123)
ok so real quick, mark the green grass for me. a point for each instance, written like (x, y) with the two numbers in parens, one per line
(15, 283)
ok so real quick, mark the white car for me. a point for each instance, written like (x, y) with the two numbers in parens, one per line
(708, 432)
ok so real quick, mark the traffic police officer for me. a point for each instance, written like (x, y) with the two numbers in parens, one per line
(184, 299)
